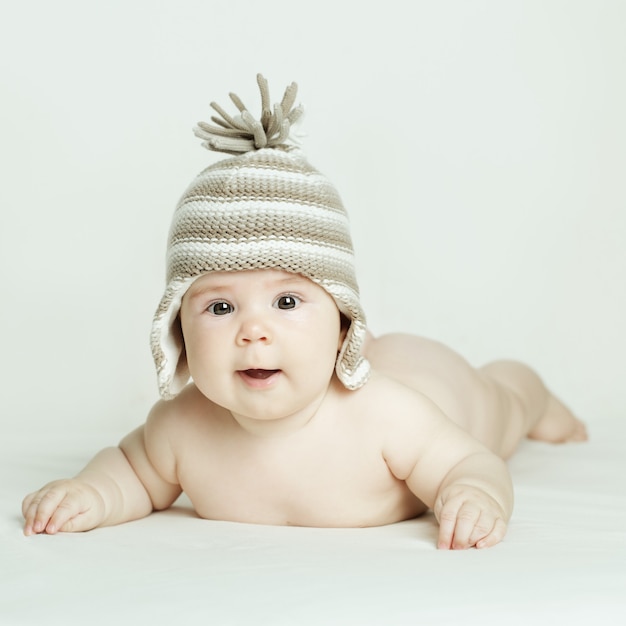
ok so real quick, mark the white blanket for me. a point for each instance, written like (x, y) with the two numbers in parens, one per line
(562, 562)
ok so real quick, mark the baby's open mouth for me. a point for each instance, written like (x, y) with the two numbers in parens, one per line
(259, 374)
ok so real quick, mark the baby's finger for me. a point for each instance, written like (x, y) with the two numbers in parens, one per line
(26, 503)
(496, 535)
(447, 524)
(28, 514)
(466, 520)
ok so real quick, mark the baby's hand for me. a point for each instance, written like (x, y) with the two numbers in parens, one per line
(63, 505)
(468, 517)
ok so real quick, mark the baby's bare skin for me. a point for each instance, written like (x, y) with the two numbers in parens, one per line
(338, 458)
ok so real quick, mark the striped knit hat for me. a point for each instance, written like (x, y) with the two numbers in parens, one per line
(265, 208)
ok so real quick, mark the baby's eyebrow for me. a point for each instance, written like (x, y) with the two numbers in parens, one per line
(282, 282)
(295, 279)
(199, 292)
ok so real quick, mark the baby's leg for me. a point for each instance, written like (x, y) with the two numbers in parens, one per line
(499, 404)
(530, 409)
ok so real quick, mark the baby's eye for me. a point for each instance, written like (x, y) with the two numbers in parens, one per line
(220, 308)
(287, 302)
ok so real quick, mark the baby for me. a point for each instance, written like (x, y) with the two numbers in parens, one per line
(295, 414)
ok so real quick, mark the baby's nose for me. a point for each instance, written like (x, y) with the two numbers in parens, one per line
(252, 330)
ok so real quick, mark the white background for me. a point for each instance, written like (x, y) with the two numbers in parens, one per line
(480, 148)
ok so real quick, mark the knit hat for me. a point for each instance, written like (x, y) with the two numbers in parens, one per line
(265, 208)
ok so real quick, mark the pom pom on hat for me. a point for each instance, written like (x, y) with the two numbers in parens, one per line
(264, 208)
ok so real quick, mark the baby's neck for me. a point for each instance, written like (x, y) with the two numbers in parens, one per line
(303, 419)
(275, 427)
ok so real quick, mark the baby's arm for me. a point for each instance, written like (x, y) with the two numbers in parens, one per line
(117, 485)
(467, 486)
(106, 492)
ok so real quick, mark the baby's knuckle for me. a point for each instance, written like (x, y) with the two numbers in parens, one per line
(467, 514)
(487, 521)
(447, 515)
(50, 496)
(481, 535)
(68, 504)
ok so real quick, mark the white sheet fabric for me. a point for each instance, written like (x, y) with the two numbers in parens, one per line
(563, 560)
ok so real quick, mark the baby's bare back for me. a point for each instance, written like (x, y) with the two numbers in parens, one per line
(499, 403)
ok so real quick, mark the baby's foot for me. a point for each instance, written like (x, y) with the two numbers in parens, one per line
(558, 425)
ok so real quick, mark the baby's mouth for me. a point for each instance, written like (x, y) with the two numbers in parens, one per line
(259, 374)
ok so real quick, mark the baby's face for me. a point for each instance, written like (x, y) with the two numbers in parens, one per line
(261, 343)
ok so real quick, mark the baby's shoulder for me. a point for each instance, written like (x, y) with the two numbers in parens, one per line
(381, 388)
(387, 399)
(181, 415)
